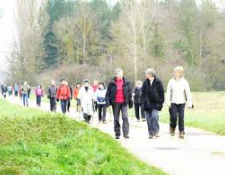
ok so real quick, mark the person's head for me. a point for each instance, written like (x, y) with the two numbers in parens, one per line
(63, 82)
(86, 83)
(25, 83)
(138, 83)
(150, 74)
(78, 85)
(101, 85)
(95, 83)
(53, 82)
(119, 73)
(178, 71)
(39, 86)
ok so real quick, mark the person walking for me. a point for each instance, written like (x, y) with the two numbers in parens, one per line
(75, 95)
(119, 95)
(25, 91)
(86, 95)
(52, 94)
(69, 99)
(9, 90)
(101, 102)
(137, 101)
(177, 96)
(63, 94)
(152, 98)
(16, 90)
(39, 94)
(95, 87)
(4, 90)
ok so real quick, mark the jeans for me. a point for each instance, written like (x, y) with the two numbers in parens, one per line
(38, 100)
(137, 108)
(152, 121)
(117, 108)
(63, 105)
(25, 99)
(53, 104)
(101, 112)
(177, 111)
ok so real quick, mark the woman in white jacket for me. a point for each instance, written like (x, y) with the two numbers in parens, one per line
(86, 95)
(178, 94)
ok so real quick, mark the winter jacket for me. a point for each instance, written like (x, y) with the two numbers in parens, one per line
(63, 92)
(86, 97)
(99, 96)
(137, 95)
(112, 89)
(178, 92)
(75, 93)
(26, 89)
(152, 96)
(52, 92)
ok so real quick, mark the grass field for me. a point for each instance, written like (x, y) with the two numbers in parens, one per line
(39, 143)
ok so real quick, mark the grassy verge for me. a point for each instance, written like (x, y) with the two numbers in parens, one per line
(36, 142)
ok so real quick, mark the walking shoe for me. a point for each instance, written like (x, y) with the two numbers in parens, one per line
(157, 135)
(138, 120)
(181, 134)
(104, 122)
(172, 131)
(126, 137)
(117, 137)
(99, 122)
(143, 120)
(151, 137)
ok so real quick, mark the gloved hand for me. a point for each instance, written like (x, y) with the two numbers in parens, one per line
(57, 100)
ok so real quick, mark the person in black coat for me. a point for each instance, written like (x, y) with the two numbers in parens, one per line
(119, 95)
(152, 99)
(137, 101)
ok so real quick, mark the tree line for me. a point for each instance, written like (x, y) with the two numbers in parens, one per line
(76, 38)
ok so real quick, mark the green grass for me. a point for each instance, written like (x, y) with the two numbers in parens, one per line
(39, 143)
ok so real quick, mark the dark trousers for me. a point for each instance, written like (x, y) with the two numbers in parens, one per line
(68, 104)
(101, 112)
(16, 93)
(38, 100)
(152, 118)
(95, 106)
(117, 108)
(53, 104)
(177, 111)
(137, 108)
(63, 105)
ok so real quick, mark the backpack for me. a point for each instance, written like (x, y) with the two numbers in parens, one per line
(39, 91)
(63, 90)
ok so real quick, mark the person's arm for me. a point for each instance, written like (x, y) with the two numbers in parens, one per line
(58, 92)
(130, 97)
(169, 94)
(188, 94)
(161, 93)
(107, 96)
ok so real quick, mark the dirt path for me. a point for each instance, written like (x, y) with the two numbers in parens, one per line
(200, 153)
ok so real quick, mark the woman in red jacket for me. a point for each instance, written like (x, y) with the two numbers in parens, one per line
(63, 94)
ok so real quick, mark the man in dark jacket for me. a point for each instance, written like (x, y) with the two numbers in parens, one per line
(152, 98)
(52, 92)
(119, 95)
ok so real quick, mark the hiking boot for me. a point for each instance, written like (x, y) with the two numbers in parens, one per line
(157, 135)
(126, 137)
(117, 137)
(104, 122)
(138, 120)
(181, 134)
(151, 137)
(143, 120)
(172, 131)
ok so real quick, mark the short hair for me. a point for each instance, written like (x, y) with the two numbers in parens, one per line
(86, 81)
(150, 71)
(101, 83)
(139, 82)
(179, 69)
(118, 70)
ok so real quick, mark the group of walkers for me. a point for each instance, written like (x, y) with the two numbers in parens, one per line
(147, 98)
(9, 90)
